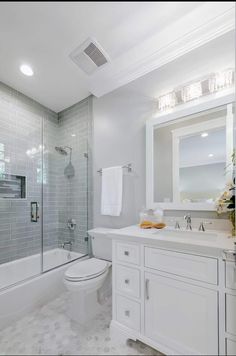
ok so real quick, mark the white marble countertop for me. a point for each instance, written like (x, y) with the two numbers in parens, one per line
(210, 243)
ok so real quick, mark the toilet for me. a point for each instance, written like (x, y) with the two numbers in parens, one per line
(89, 281)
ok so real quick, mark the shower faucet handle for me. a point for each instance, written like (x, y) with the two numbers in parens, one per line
(71, 224)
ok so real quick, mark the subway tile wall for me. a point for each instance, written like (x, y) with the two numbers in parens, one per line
(75, 194)
(29, 133)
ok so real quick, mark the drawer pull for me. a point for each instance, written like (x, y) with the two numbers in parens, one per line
(147, 288)
(126, 253)
(127, 313)
(126, 281)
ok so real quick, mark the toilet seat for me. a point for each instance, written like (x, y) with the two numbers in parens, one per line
(85, 270)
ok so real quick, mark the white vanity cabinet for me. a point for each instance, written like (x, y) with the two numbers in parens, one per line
(181, 315)
(167, 299)
(230, 308)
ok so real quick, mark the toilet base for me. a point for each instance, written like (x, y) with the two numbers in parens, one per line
(83, 307)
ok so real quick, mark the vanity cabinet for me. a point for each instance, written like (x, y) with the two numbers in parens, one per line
(181, 315)
(166, 299)
(230, 308)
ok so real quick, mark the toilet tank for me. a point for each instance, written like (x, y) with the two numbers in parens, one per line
(101, 243)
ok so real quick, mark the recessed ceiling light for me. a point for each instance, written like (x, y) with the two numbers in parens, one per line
(26, 70)
(210, 155)
(204, 134)
(73, 135)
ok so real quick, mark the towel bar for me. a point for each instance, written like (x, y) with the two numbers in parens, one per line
(127, 166)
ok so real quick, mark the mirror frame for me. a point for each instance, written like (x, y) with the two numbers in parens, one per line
(194, 107)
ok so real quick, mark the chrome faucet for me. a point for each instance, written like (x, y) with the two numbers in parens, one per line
(66, 243)
(188, 219)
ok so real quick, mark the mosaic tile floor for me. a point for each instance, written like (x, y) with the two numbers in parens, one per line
(49, 331)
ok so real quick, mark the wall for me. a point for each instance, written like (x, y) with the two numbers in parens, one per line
(119, 124)
(75, 194)
(28, 135)
(119, 138)
(21, 131)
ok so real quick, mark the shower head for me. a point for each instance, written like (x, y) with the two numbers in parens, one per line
(69, 171)
(61, 150)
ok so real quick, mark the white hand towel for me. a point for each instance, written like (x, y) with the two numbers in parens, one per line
(112, 188)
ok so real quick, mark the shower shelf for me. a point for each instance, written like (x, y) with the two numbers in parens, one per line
(12, 186)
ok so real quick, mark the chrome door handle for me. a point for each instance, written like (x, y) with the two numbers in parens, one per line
(34, 211)
(126, 253)
(147, 288)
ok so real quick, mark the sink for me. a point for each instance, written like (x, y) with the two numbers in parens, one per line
(187, 234)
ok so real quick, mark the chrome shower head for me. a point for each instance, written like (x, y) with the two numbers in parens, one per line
(69, 171)
(61, 150)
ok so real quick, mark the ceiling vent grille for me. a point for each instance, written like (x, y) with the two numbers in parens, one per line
(89, 56)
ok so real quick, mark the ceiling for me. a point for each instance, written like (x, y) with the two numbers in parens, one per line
(195, 150)
(138, 37)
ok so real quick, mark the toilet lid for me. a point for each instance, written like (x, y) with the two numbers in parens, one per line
(86, 269)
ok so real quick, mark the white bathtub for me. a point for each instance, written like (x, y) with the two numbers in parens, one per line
(23, 288)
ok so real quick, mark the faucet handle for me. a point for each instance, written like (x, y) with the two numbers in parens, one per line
(202, 223)
(177, 227)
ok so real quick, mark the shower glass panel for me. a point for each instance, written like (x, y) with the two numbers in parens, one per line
(21, 151)
(45, 186)
(67, 186)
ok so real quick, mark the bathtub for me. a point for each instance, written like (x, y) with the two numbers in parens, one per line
(23, 288)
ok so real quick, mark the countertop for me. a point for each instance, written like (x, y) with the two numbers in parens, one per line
(210, 243)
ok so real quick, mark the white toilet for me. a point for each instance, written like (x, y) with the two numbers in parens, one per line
(85, 278)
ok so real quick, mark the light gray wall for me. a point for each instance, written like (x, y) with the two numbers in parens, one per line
(119, 138)
(75, 194)
(21, 130)
(25, 124)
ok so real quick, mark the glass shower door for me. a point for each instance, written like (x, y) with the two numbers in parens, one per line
(66, 186)
(20, 188)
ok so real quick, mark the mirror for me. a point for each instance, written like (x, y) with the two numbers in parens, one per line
(189, 159)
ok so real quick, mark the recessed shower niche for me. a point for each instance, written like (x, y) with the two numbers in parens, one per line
(12, 186)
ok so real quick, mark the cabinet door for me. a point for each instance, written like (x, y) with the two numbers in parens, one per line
(181, 316)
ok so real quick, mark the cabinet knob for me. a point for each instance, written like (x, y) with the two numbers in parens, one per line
(127, 313)
(126, 281)
(126, 253)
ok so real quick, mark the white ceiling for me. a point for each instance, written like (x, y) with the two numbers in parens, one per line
(138, 36)
(195, 150)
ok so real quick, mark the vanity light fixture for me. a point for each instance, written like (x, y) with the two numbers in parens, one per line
(191, 91)
(204, 134)
(167, 101)
(26, 70)
(211, 83)
(221, 80)
(210, 155)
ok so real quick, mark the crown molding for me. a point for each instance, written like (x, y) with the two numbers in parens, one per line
(213, 20)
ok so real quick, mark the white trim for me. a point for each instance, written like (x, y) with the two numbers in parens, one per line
(229, 141)
(194, 107)
(204, 24)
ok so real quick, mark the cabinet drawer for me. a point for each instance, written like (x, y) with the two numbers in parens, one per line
(190, 266)
(230, 347)
(230, 314)
(128, 281)
(230, 271)
(129, 253)
(128, 312)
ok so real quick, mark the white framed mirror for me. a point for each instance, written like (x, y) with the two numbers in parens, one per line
(187, 152)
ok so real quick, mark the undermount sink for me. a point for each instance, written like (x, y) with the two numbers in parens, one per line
(187, 234)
